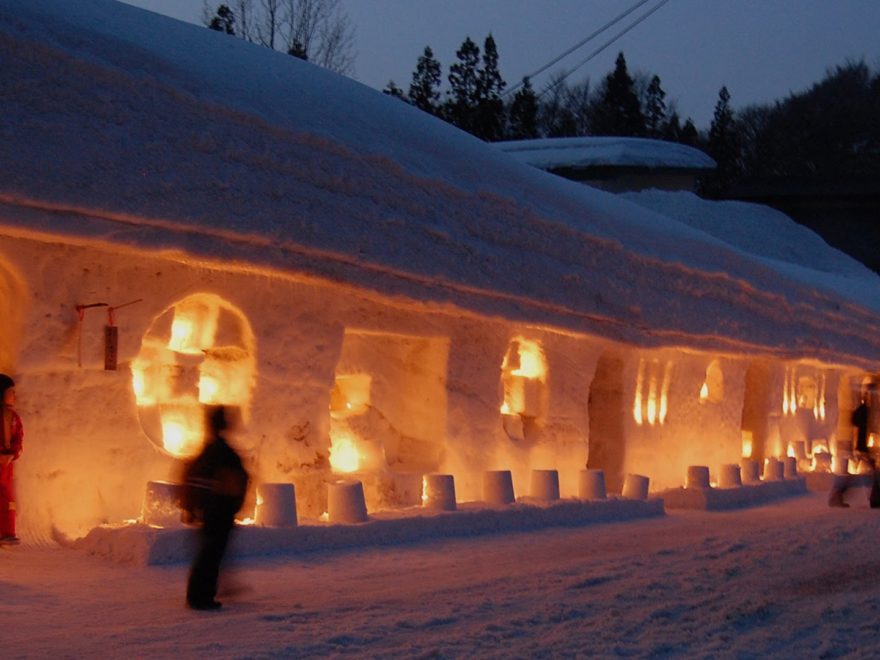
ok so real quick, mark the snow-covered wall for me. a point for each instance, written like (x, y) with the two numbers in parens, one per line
(127, 128)
(431, 389)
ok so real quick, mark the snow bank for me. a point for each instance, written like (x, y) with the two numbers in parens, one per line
(716, 499)
(144, 545)
(582, 152)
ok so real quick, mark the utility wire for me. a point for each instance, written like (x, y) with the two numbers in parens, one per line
(582, 42)
(556, 82)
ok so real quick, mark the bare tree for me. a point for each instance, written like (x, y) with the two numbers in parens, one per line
(315, 30)
(269, 22)
(321, 32)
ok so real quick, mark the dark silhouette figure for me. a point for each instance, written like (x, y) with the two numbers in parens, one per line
(215, 483)
(842, 482)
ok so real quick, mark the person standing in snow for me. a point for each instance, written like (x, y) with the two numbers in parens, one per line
(11, 441)
(215, 483)
(841, 483)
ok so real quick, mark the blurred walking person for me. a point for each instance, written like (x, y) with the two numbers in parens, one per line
(215, 483)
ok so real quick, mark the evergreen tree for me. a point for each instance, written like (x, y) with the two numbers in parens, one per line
(489, 121)
(655, 109)
(724, 146)
(671, 128)
(464, 86)
(223, 20)
(689, 134)
(617, 111)
(523, 113)
(391, 89)
(424, 90)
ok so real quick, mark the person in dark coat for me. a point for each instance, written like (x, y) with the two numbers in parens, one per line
(842, 482)
(215, 483)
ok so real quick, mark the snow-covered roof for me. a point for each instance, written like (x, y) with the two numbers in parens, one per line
(126, 129)
(588, 152)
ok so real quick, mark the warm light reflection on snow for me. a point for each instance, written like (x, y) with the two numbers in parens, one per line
(524, 371)
(747, 444)
(181, 335)
(344, 455)
(651, 399)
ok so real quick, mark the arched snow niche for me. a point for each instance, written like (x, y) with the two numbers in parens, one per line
(524, 393)
(712, 390)
(388, 403)
(607, 411)
(199, 351)
(13, 309)
(760, 419)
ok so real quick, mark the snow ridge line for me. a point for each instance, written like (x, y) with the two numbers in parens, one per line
(663, 337)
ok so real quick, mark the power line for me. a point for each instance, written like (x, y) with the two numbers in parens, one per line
(581, 43)
(617, 36)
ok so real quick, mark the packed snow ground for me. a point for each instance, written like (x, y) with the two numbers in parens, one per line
(790, 579)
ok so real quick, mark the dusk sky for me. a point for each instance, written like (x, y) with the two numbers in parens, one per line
(760, 49)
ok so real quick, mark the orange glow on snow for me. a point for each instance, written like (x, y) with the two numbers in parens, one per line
(747, 444)
(344, 455)
(523, 375)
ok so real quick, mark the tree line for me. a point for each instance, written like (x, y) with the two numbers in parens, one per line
(314, 30)
(829, 131)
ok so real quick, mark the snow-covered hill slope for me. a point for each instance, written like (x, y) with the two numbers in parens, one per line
(122, 127)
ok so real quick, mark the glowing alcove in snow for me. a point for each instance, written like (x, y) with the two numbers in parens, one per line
(200, 351)
(388, 403)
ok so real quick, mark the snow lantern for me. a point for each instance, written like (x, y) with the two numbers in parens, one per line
(438, 492)
(498, 487)
(544, 485)
(697, 476)
(591, 485)
(345, 502)
(635, 487)
(199, 352)
(276, 505)
(729, 476)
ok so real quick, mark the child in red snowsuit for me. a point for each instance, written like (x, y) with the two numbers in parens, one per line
(11, 440)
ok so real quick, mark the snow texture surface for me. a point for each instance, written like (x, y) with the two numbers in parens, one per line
(794, 579)
(122, 127)
(582, 152)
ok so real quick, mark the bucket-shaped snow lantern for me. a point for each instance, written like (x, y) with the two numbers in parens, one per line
(591, 485)
(750, 471)
(729, 476)
(800, 449)
(161, 504)
(438, 492)
(544, 484)
(498, 487)
(345, 502)
(789, 470)
(635, 487)
(697, 477)
(774, 470)
(276, 505)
